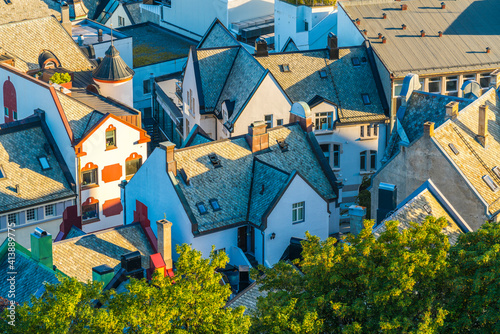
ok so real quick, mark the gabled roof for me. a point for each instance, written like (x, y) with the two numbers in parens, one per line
(217, 36)
(26, 40)
(77, 256)
(231, 183)
(247, 298)
(112, 67)
(343, 83)
(473, 160)
(30, 276)
(196, 137)
(21, 144)
(468, 26)
(427, 200)
(12, 11)
(290, 46)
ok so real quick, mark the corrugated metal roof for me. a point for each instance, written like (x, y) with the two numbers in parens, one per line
(468, 26)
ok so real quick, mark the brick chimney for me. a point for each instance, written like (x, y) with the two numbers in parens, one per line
(164, 230)
(452, 110)
(41, 247)
(257, 137)
(429, 129)
(65, 22)
(171, 163)
(482, 132)
(357, 215)
(495, 79)
(261, 47)
(333, 46)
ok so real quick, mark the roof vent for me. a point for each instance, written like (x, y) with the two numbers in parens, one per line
(403, 26)
(18, 189)
(263, 188)
(488, 49)
(453, 148)
(427, 208)
(214, 159)
(443, 5)
(261, 47)
(422, 33)
(184, 176)
(404, 7)
(284, 68)
(46, 148)
(384, 16)
(282, 144)
(440, 33)
(358, 21)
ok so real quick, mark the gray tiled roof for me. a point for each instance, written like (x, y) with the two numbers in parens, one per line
(290, 46)
(468, 26)
(20, 147)
(112, 67)
(74, 232)
(230, 184)
(27, 39)
(269, 179)
(30, 276)
(343, 85)
(24, 10)
(247, 298)
(200, 139)
(77, 256)
(217, 36)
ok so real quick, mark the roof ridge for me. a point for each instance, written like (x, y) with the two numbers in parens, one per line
(104, 231)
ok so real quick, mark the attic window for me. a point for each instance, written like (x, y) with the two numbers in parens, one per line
(366, 99)
(322, 74)
(496, 170)
(215, 204)
(355, 61)
(214, 159)
(44, 162)
(2, 173)
(285, 68)
(282, 144)
(201, 208)
(489, 181)
(427, 208)
(453, 148)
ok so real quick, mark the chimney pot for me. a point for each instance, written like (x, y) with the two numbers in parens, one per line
(384, 15)
(379, 36)
(440, 34)
(171, 163)
(452, 110)
(404, 7)
(103, 273)
(384, 40)
(261, 47)
(358, 21)
(164, 231)
(443, 5)
(403, 26)
(99, 35)
(482, 133)
(422, 33)
(365, 31)
(429, 129)
(488, 49)
(257, 137)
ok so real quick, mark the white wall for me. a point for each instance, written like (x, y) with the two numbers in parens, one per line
(280, 219)
(121, 91)
(347, 32)
(120, 11)
(95, 147)
(189, 83)
(241, 10)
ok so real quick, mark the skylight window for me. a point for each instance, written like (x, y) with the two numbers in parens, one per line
(322, 74)
(496, 170)
(355, 61)
(489, 181)
(453, 148)
(201, 208)
(215, 204)
(214, 159)
(44, 162)
(366, 99)
(285, 68)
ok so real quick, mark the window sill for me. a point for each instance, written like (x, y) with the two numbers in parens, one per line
(299, 222)
(368, 138)
(90, 186)
(112, 147)
(367, 172)
(336, 169)
(90, 221)
(128, 177)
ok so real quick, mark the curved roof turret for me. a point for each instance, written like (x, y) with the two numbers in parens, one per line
(112, 67)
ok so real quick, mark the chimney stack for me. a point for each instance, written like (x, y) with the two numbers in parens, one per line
(440, 33)
(65, 22)
(302, 113)
(443, 5)
(429, 129)
(452, 110)
(164, 231)
(404, 7)
(103, 274)
(357, 215)
(403, 26)
(171, 163)
(482, 133)
(422, 33)
(41, 247)
(387, 200)
(495, 79)
(257, 137)
(261, 47)
(99, 35)
(333, 46)
(384, 15)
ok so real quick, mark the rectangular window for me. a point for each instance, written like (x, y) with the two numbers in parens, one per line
(218, 251)
(132, 166)
(469, 77)
(366, 99)
(489, 181)
(146, 86)
(373, 160)
(484, 81)
(50, 210)
(398, 86)
(326, 151)
(90, 211)
(323, 120)
(121, 21)
(362, 131)
(434, 85)
(31, 215)
(362, 160)
(375, 129)
(279, 122)
(6, 111)
(44, 162)
(336, 156)
(452, 86)
(298, 212)
(368, 131)
(269, 121)
(13, 218)
(89, 177)
(111, 139)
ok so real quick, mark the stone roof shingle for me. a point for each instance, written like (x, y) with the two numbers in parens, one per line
(247, 298)
(20, 10)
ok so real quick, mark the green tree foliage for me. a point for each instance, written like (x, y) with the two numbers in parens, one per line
(393, 284)
(364, 197)
(190, 302)
(60, 78)
(474, 301)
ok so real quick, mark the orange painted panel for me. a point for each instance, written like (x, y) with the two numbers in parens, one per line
(112, 207)
(112, 173)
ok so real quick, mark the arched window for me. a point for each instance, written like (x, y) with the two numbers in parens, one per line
(89, 175)
(132, 165)
(9, 101)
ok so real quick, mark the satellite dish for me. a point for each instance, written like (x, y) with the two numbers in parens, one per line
(471, 89)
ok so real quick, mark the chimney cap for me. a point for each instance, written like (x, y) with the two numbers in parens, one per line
(40, 232)
(102, 269)
(257, 124)
(166, 144)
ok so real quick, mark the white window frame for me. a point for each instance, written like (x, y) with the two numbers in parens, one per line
(434, 80)
(269, 122)
(13, 218)
(35, 215)
(53, 206)
(328, 116)
(450, 79)
(298, 212)
(398, 85)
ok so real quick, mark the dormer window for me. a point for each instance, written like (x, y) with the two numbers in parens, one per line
(201, 208)
(215, 204)
(355, 61)
(285, 68)
(366, 99)
(214, 159)
(43, 162)
(110, 137)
